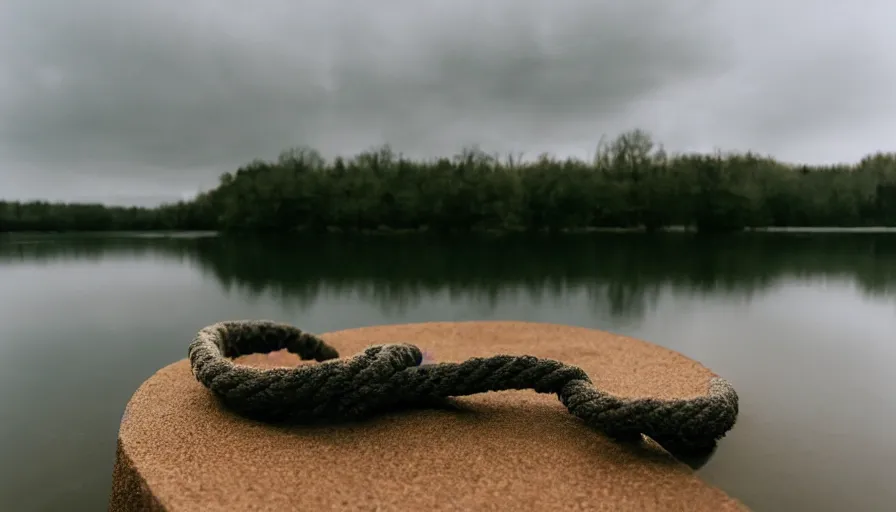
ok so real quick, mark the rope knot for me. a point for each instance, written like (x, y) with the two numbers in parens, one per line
(389, 375)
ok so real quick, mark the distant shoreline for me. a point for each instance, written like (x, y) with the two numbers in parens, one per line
(630, 185)
(408, 232)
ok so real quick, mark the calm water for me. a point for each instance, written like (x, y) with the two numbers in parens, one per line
(803, 325)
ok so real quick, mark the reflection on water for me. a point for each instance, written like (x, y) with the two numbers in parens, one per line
(801, 324)
(621, 273)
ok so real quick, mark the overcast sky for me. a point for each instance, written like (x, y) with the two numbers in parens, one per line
(145, 100)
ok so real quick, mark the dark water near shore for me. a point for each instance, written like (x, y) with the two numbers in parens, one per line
(802, 324)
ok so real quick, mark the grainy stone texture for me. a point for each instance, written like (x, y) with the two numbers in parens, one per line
(180, 450)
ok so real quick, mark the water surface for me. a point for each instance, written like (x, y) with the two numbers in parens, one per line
(801, 323)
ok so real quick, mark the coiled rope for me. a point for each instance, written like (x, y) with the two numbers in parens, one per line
(384, 376)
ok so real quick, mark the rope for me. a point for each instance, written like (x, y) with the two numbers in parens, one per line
(386, 376)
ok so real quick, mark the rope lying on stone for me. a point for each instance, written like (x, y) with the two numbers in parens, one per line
(384, 376)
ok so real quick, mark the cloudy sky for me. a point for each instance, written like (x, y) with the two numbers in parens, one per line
(140, 101)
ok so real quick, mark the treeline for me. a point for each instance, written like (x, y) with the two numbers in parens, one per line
(46, 216)
(631, 183)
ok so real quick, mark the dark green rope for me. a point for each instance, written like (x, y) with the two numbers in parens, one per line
(388, 376)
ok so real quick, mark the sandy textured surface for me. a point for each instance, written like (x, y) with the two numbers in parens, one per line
(179, 450)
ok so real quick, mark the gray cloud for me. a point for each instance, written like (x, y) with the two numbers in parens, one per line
(146, 99)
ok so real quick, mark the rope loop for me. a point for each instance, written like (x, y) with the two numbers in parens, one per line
(386, 376)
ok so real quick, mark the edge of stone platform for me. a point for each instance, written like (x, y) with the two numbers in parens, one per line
(130, 492)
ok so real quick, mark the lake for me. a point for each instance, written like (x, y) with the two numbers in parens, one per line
(802, 324)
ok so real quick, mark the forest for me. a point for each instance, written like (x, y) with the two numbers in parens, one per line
(631, 183)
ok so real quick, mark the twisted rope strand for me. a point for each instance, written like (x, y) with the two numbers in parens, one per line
(384, 376)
